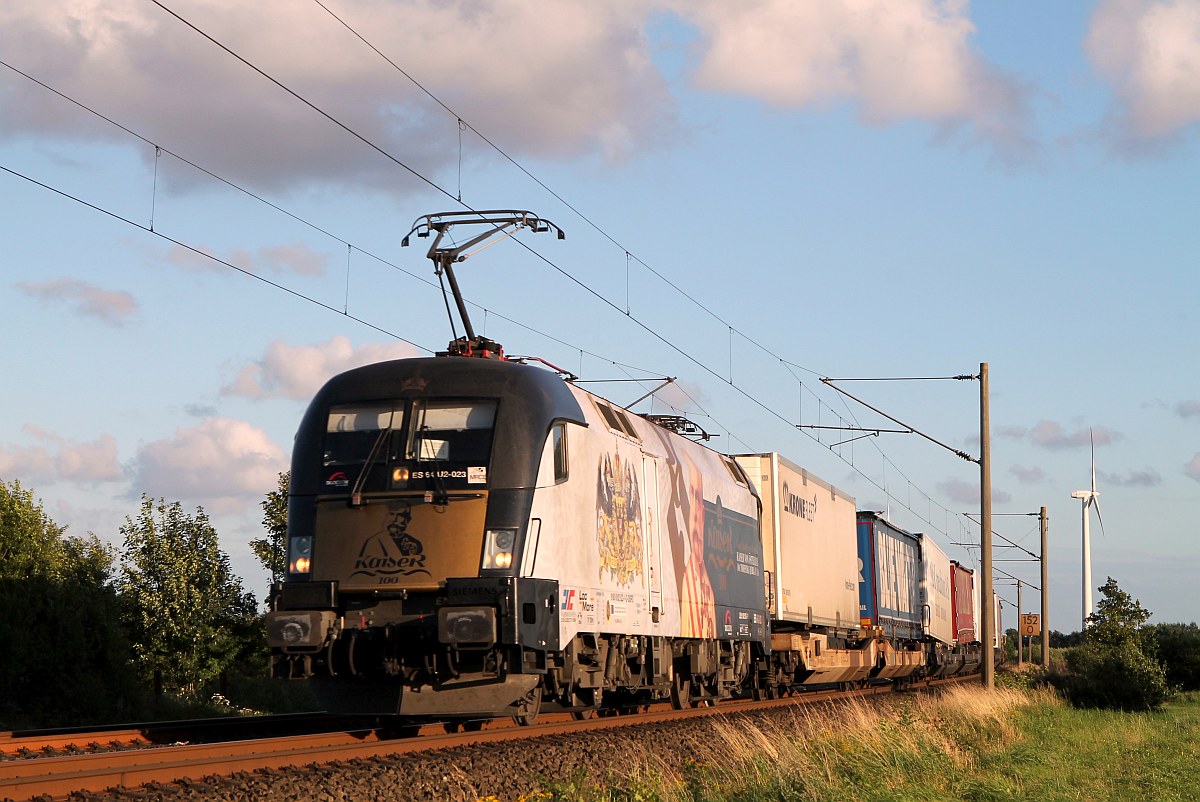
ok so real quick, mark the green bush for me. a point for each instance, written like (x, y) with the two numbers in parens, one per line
(1115, 667)
(64, 657)
(1115, 677)
(1177, 646)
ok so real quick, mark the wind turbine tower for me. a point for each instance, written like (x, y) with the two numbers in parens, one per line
(1090, 498)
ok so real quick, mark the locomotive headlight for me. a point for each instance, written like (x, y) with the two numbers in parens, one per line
(498, 548)
(299, 555)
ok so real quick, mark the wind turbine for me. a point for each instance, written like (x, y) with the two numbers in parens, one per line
(1090, 498)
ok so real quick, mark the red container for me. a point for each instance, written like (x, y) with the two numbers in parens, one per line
(962, 591)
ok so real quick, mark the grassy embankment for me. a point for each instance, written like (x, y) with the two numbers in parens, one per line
(1010, 744)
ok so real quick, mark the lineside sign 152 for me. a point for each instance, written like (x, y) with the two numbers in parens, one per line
(1031, 624)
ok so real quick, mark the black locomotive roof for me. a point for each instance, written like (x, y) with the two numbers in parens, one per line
(531, 399)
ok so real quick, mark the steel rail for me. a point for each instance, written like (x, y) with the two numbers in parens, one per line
(98, 771)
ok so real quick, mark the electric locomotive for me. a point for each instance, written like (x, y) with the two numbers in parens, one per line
(476, 537)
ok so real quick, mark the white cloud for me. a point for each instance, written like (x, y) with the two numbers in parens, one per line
(220, 462)
(1191, 469)
(1028, 475)
(57, 458)
(111, 306)
(1147, 477)
(276, 259)
(1051, 434)
(1149, 50)
(961, 492)
(293, 259)
(298, 371)
(1008, 433)
(580, 75)
(894, 59)
(680, 397)
(189, 259)
(27, 464)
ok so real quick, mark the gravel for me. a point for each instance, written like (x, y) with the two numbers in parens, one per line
(500, 771)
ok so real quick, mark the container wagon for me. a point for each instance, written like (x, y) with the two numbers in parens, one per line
(811, 565)
(890, 601)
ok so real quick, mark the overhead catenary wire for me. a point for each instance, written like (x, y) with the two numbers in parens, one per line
(159, 149)
(350, 246)
(646, 327)
(545, 259)
(578, 282)
(327, 306)
(200, 252)
(416, 174)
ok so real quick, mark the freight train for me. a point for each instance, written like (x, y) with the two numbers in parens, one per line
(471, 536)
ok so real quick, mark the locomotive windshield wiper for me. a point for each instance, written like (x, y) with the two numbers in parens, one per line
(356, 491)
(440, 497)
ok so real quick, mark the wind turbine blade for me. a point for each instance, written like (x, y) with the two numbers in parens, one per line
(1093, 444)
(1095, 497)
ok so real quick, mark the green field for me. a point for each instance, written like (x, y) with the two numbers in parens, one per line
(1009, 744)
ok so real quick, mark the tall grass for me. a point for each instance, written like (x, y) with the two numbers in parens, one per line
(964, 743)
(852, 750)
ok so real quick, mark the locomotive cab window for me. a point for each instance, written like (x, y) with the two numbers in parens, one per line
(452, 431)
(407, 445)
(355, 436)
(559, 433)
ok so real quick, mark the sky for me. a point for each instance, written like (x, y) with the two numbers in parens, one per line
(202, 206)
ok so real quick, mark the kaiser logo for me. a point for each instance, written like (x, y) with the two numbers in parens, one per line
(392, 551)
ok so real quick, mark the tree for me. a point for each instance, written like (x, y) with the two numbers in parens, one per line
(183, 606)
(64, 657)
(30, 543)
(1115, 667)
(272, 550)
(1009, 644)
(1178, 647)
(1058, 640)
(1118, 618)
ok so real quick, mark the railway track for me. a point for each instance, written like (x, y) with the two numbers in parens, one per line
(74, 740)
(57, 763)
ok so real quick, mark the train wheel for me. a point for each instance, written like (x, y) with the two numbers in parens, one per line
(760, 694)
(681, 692)
(764, 687)
(589, 697)
(529, 707)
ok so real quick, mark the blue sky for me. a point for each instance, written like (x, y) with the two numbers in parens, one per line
(752, 201)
